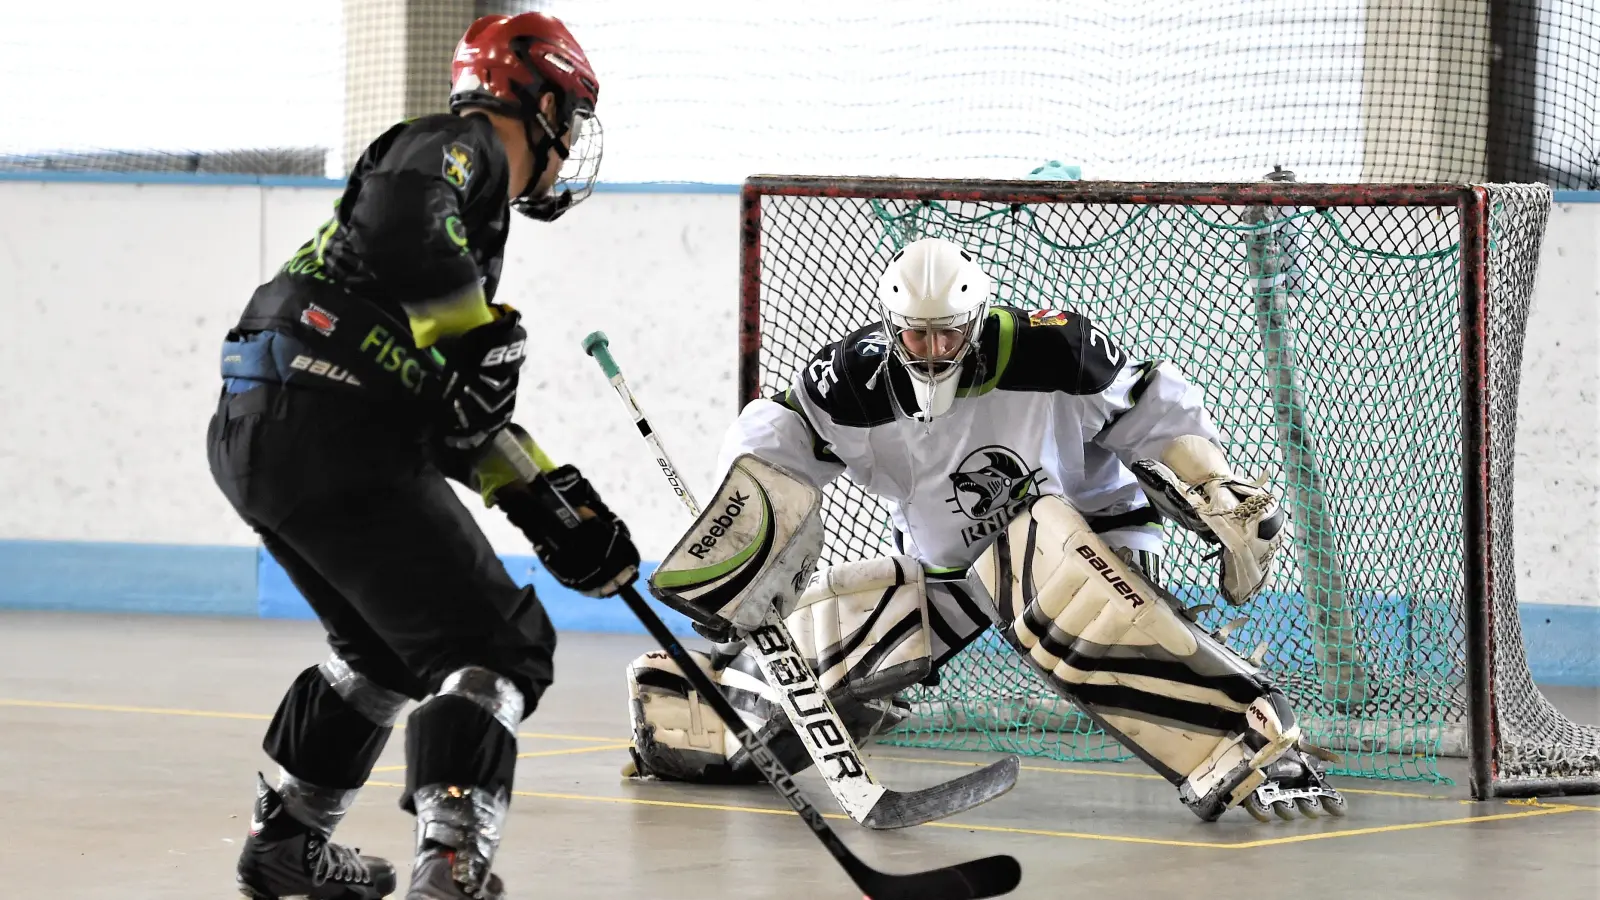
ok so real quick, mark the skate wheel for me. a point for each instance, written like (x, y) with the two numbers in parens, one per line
(1333, 806)
(1255, 809)
(1307, 807)
(1283, 810)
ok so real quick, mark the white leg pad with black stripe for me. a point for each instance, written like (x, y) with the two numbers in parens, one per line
(1116, 645)
(863, 627)
(676, 733)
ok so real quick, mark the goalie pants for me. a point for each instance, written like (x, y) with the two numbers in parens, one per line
(345, 498)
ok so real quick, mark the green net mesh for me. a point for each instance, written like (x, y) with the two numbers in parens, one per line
(1327, 343)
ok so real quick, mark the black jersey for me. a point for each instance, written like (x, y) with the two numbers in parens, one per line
(423, 215)
(411, 256)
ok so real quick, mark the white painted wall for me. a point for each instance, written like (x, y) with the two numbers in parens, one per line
(114, 299)
(1558, 418)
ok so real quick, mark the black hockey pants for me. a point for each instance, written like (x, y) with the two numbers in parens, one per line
(408, 588)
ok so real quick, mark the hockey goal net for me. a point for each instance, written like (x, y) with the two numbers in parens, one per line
(1360, 346)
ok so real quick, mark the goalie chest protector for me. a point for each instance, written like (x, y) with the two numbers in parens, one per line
(1031, 401)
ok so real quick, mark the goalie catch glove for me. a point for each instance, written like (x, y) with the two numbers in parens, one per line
(580, 541)
(481, 390)
(1193, 485)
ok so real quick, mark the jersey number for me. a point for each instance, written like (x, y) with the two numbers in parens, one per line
(1112, 353)
(823, 375)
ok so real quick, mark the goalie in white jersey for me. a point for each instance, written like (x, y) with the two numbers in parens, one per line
(1019, 455)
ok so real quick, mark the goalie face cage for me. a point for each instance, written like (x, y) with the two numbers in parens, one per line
(1359, 344)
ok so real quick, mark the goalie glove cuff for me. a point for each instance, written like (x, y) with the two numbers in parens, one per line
(1172, 497)
(1243, 518)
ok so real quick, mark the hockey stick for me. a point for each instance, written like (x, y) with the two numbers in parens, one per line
(987, 877)
(860, 795)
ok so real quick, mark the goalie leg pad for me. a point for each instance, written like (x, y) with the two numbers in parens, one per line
(676, 733)
(1116, 645)
(678, 737)
(863, 627)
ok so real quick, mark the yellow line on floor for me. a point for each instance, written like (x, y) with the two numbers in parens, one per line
(1064, 770)
(1409, 826)
(147, 710)
(1040, 832)
(574, 750)
(612, 743)
(569, 750)
(260, 717)
(640, 801)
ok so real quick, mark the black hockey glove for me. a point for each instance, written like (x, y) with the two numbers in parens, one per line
(577, 537)
(481, 390)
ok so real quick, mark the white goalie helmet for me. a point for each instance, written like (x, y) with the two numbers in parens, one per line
(934, 298)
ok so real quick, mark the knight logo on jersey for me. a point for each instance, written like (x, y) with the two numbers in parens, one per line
(989, 486)
(1047, 317)
(457, 166)
(873, 344)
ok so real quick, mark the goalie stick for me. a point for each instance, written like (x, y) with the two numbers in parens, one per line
(860, 795)
(991, 876)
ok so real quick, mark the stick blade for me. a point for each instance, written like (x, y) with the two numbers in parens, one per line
(991, 876)
(897, 810)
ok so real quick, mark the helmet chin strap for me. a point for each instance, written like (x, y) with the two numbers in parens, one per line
(540, 147)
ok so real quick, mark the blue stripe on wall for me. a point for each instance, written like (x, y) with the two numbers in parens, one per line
(116, 577)
(1561, 641)
(568, 610)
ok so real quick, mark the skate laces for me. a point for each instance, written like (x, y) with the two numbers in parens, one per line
(340, 864)
(1250, 507)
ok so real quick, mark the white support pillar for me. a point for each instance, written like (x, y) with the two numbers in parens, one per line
(397, 60)
(1425, 90)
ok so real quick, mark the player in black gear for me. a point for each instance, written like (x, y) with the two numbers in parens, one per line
(374, 365)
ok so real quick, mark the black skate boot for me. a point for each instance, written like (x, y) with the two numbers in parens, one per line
(433, 878)
(1295, 781)
(458, 831)
(284, 857)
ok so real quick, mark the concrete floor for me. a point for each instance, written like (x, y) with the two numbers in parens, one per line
(128, 744)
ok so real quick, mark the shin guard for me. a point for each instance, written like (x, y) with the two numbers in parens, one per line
(1118, 646)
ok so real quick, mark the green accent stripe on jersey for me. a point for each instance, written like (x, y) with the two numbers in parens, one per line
(1007, 339)
(448, 316)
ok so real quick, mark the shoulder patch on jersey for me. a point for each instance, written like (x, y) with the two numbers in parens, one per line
(457, 165)
(1073, 356)
(1047, 317)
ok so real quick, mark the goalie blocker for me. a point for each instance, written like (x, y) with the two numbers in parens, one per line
(1122, 650)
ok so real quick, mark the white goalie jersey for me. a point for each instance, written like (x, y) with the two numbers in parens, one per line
(1048, 405)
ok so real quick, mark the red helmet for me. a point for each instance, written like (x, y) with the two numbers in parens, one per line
(508, 64)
